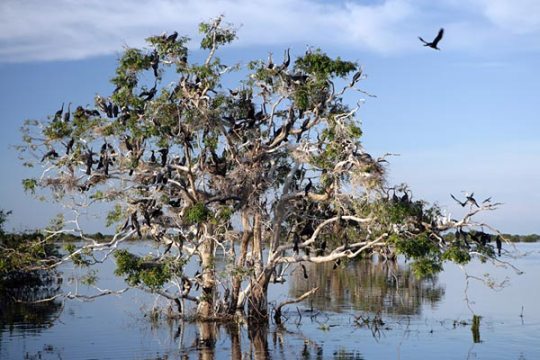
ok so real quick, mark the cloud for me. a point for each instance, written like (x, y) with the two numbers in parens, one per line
(34, 30)
(67, 29)
(515, 16)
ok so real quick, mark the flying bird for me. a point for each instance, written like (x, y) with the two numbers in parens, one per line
(435, 41)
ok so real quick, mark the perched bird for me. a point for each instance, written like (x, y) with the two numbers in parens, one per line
(69, 146)
(89, 161)
(435, 41)
(286, 60)
(58, 114)
(356, 77)
(296, 241)
(164, 152)
(67, 115)
(304, 270)
(51, 154)
(308, 187)
(172, 37)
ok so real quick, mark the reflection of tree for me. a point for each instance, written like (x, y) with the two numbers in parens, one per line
(16, 297)
(367, 285)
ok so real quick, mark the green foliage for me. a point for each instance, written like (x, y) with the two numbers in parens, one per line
(324, 67)
(426, 267)
(21, 252)
(30, 185)
(196, 214)
(114, 215)
(457, 254)
(214, 35)
(57, 130)
(139, 270)
(3, 218)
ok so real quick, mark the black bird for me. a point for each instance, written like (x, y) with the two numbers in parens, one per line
(155, 63)
(471, 199)
(164, 152)
(89, 161)
(499, 244)
(153, 157)
(296, 241)
(58, 114)
(286, 60)
(304, 270)
(115, 110)
(67, 115)
(51, 154)
(356, 77)
(172, 37)
(435, 41)
(129, 147)
(308, 187)
(336, 264)
(148, 94)
(136, 224)
(69, 146)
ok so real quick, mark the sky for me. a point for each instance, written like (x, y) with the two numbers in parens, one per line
(464, 118)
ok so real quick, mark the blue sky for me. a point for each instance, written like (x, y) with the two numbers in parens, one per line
(462, 119)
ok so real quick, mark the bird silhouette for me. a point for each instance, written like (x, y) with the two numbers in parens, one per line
(52, 154)
(308, 187)
(435, 41)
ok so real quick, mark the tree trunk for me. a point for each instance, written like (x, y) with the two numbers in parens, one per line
(258, 336)
(206, 304)
(240, 263)
(233, 330)
(207, 340)
(258, 298)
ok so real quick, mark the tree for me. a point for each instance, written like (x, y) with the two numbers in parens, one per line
(269, 171)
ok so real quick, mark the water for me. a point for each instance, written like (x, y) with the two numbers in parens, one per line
(364, 310)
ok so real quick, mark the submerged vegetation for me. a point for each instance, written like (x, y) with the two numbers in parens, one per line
(271, 170)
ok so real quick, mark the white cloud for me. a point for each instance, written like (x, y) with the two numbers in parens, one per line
(515, 16)
(68, 29)
(33, 30)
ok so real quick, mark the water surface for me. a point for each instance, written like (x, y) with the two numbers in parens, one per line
(363, 310)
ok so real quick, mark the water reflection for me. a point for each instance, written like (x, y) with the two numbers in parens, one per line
(16, 309)
(367, 285)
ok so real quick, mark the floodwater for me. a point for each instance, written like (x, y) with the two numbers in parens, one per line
(363, 310)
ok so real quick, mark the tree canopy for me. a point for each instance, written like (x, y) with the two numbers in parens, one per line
(269, 170)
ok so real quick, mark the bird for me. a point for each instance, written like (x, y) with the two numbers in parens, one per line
(499, 244)
(89, 161)
(69, 146)
(164, 152)
(308, 187)
(67, 115)
(469, 199)
(172, 37)
(304, 271)
(152, 157)
(356, 77)
(52, 154)
(286, 60)
(435, 41)
(296, 241)
(58, 114)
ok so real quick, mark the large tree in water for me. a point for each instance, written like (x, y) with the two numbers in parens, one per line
(268, 170)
